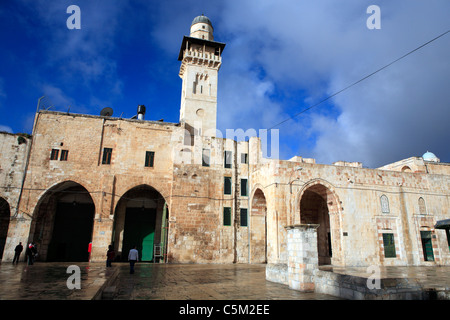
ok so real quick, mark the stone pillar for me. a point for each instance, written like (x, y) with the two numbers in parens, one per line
(303, 256)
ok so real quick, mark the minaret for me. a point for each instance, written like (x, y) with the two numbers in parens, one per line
(200, 58)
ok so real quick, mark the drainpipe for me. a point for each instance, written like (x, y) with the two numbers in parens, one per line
(236, 199)
(101, 142)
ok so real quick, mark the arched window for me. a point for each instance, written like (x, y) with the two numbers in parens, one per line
(422, 207)
(384, 204)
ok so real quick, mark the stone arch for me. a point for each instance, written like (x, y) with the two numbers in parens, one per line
(141, 219)
(5, 214)
(62, 222)
(406, 169)
(318, 203)
(258, 225)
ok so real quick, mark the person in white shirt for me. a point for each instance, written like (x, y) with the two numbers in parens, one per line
(133, 257)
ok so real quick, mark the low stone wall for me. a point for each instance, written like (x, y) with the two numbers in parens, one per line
(356, 288)
(277, 273)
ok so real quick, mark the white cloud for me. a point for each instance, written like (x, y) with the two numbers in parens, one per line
(325, 46)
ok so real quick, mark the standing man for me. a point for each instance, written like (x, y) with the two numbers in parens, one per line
(133, 257)
(18, 251)
(30, 254)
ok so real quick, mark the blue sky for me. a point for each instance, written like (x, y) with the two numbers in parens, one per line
(280, 58)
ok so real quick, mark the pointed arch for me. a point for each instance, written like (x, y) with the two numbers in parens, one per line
(141, 220)
(318, 203)
(62, 222)
(258, 225)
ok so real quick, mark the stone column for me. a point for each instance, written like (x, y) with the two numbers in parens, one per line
(303, 256)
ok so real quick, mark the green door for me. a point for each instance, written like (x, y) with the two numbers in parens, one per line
(427, 245)
(139, 232)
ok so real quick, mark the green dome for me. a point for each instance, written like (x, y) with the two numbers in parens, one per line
(201, 19)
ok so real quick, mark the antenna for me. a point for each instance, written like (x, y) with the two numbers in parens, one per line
(106, 112)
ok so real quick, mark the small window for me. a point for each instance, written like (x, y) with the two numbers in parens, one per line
(107, 153)
(227, 159)
(149, 158)
(54, 155)
(64, 155)
(227, 216)
(227, 185)
(244, 188)
(206, 158)
(244, 219)
(422, 207)
(244, 158)
(384, 204)
(389, 245)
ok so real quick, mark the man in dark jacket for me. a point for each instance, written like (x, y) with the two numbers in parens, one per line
(18, 251)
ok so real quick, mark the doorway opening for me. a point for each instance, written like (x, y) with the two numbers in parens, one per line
(258, 223)
(141, 217)
(63, 224)
(5, 214)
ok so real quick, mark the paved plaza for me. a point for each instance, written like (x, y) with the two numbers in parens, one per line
(49, 281)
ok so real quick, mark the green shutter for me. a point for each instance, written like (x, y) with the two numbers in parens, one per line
(389, 245)
(227, 185)
(244, 188)
(149, 158)
(244, 218)
(427, 245)
(227, 216)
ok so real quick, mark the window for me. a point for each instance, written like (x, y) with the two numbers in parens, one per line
(227, 185)
(244, 219)
(427, 245)
(54, 155)
(227, 216)
(149, 158)
(422, 207)
(389, 245)
(384, 204)
(64, 155)
(244, 188)
(205, 158)
(244, 158)
(107, 152)
(227, 159)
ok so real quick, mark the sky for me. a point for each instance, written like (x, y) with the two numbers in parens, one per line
(281, 58)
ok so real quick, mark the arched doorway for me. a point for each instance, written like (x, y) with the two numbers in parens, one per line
(63, 222)
(140, 220)
(4, 223)
(318, 205)
(258, 224)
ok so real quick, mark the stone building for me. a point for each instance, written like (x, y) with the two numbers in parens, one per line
(183, 193)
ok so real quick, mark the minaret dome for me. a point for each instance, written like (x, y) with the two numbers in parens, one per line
(202, 28)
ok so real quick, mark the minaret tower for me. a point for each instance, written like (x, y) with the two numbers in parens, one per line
(200, 58)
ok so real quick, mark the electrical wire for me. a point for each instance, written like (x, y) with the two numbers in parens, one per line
(360, 80)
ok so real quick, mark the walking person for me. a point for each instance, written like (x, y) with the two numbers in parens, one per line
(18, 250)
(30, 254)
(110, 256)
(133, 257)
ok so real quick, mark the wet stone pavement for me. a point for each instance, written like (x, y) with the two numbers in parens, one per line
(48, 281)
(203, 282)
